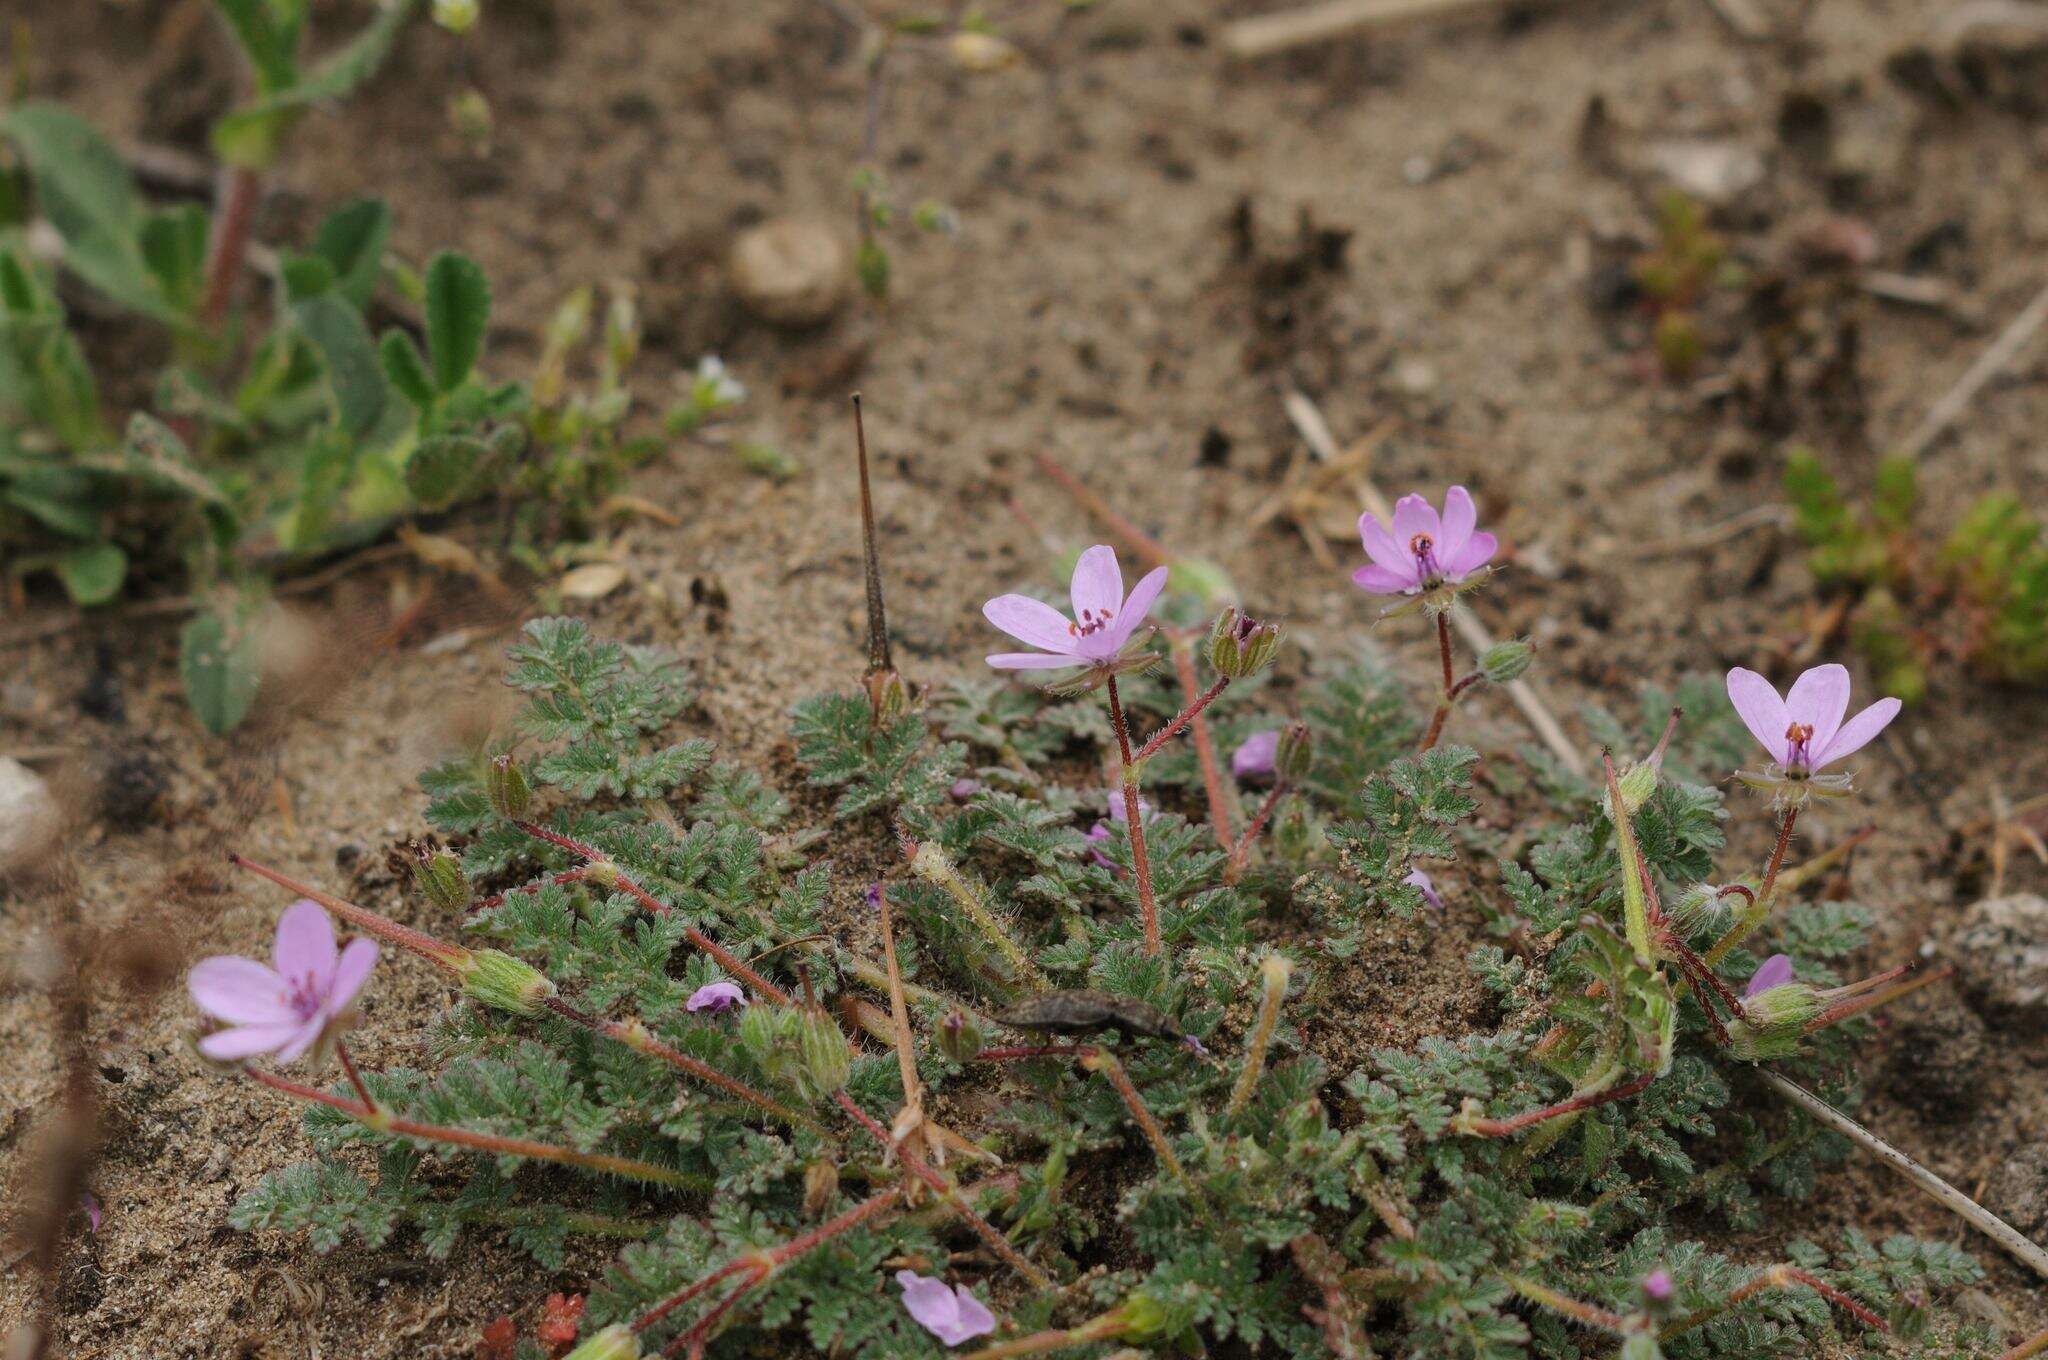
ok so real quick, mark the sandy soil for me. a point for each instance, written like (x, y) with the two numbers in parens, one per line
(1098, 305)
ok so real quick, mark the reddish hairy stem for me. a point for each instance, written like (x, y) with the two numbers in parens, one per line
(1450, 692)
(731, 962)
(354, 1078)
(1104, 1062)
(1134, 824)
(1182, 719)
(1241, 852)
(918, 1167)
(1775, 1277)
(385, 1122)
(636, 1036)
(1778, 854)
(1501, 1128)
(2028, 1349)
(767, 1262)
(230, 246)
(449, 956)
(1205, 750)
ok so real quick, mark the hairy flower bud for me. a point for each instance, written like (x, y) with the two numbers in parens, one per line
(504, 983)
(799, 1047)
(1505, 661)
(1241, 646)
(439, 877)
(961, 1037)
(507, 788)
(1296, 754)
(615, 1342)
(1773, 1021)
(1144, 1318)
(888, 697)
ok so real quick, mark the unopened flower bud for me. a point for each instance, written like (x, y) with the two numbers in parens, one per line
(507, 788)
(500, 981)
(1637, 784)
(982, 52)
(1505, 661)
(439, 877)
(1699, 910)
(1296, 754)
(1144, 1318)
(961, 1037)
(826, 1058)
(1658, 1286)
(1239, 646)
(888, 696)
(615, 1342)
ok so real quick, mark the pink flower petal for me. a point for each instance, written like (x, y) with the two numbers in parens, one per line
(1461, 517)
(240, 991)
(1098, 586)
(1414, 515)
(1032, 622)
(1378, 580)
(1138, 605)
(1383, 550)
(303, 1038)
(1031, 661)
(1761, 710)
(1775, 972)
(1819, 698)
(246, 1041)
(974, 1318)
(931, 1304)
(1253, 758)
(353, 970)
(1473, 554)
(1858, 732)
(305, 951)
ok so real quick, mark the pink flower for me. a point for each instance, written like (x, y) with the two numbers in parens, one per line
(1775, 972)
(949, 1313)
(1658, 1286)
(1253, 759)
(1423, 551)
(1804, 730)
(716, 997)
(281, 1010)
(1418, 879)
(1104, 617)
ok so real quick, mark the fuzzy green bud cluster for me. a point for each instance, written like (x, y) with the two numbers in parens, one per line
(1506, 661)
(439, 877)
(507, 789)
(800, 1048)
(1240, 646)
(615, 1342)
(505, 983)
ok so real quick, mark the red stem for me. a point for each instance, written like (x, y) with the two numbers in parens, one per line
(241, 188)
(1205, 749)
(1141, 861)
(728, 960)
(449, 956)
(1182, 719)
(918, 1167)
(1240, 852)
(384, 1121)
(354, 1078)
(769, 1261)
(1451, 686)
(1778, 854)
(1501, 1128)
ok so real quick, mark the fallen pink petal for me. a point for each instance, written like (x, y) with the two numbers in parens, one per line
(716, 997)
(948, 1312)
